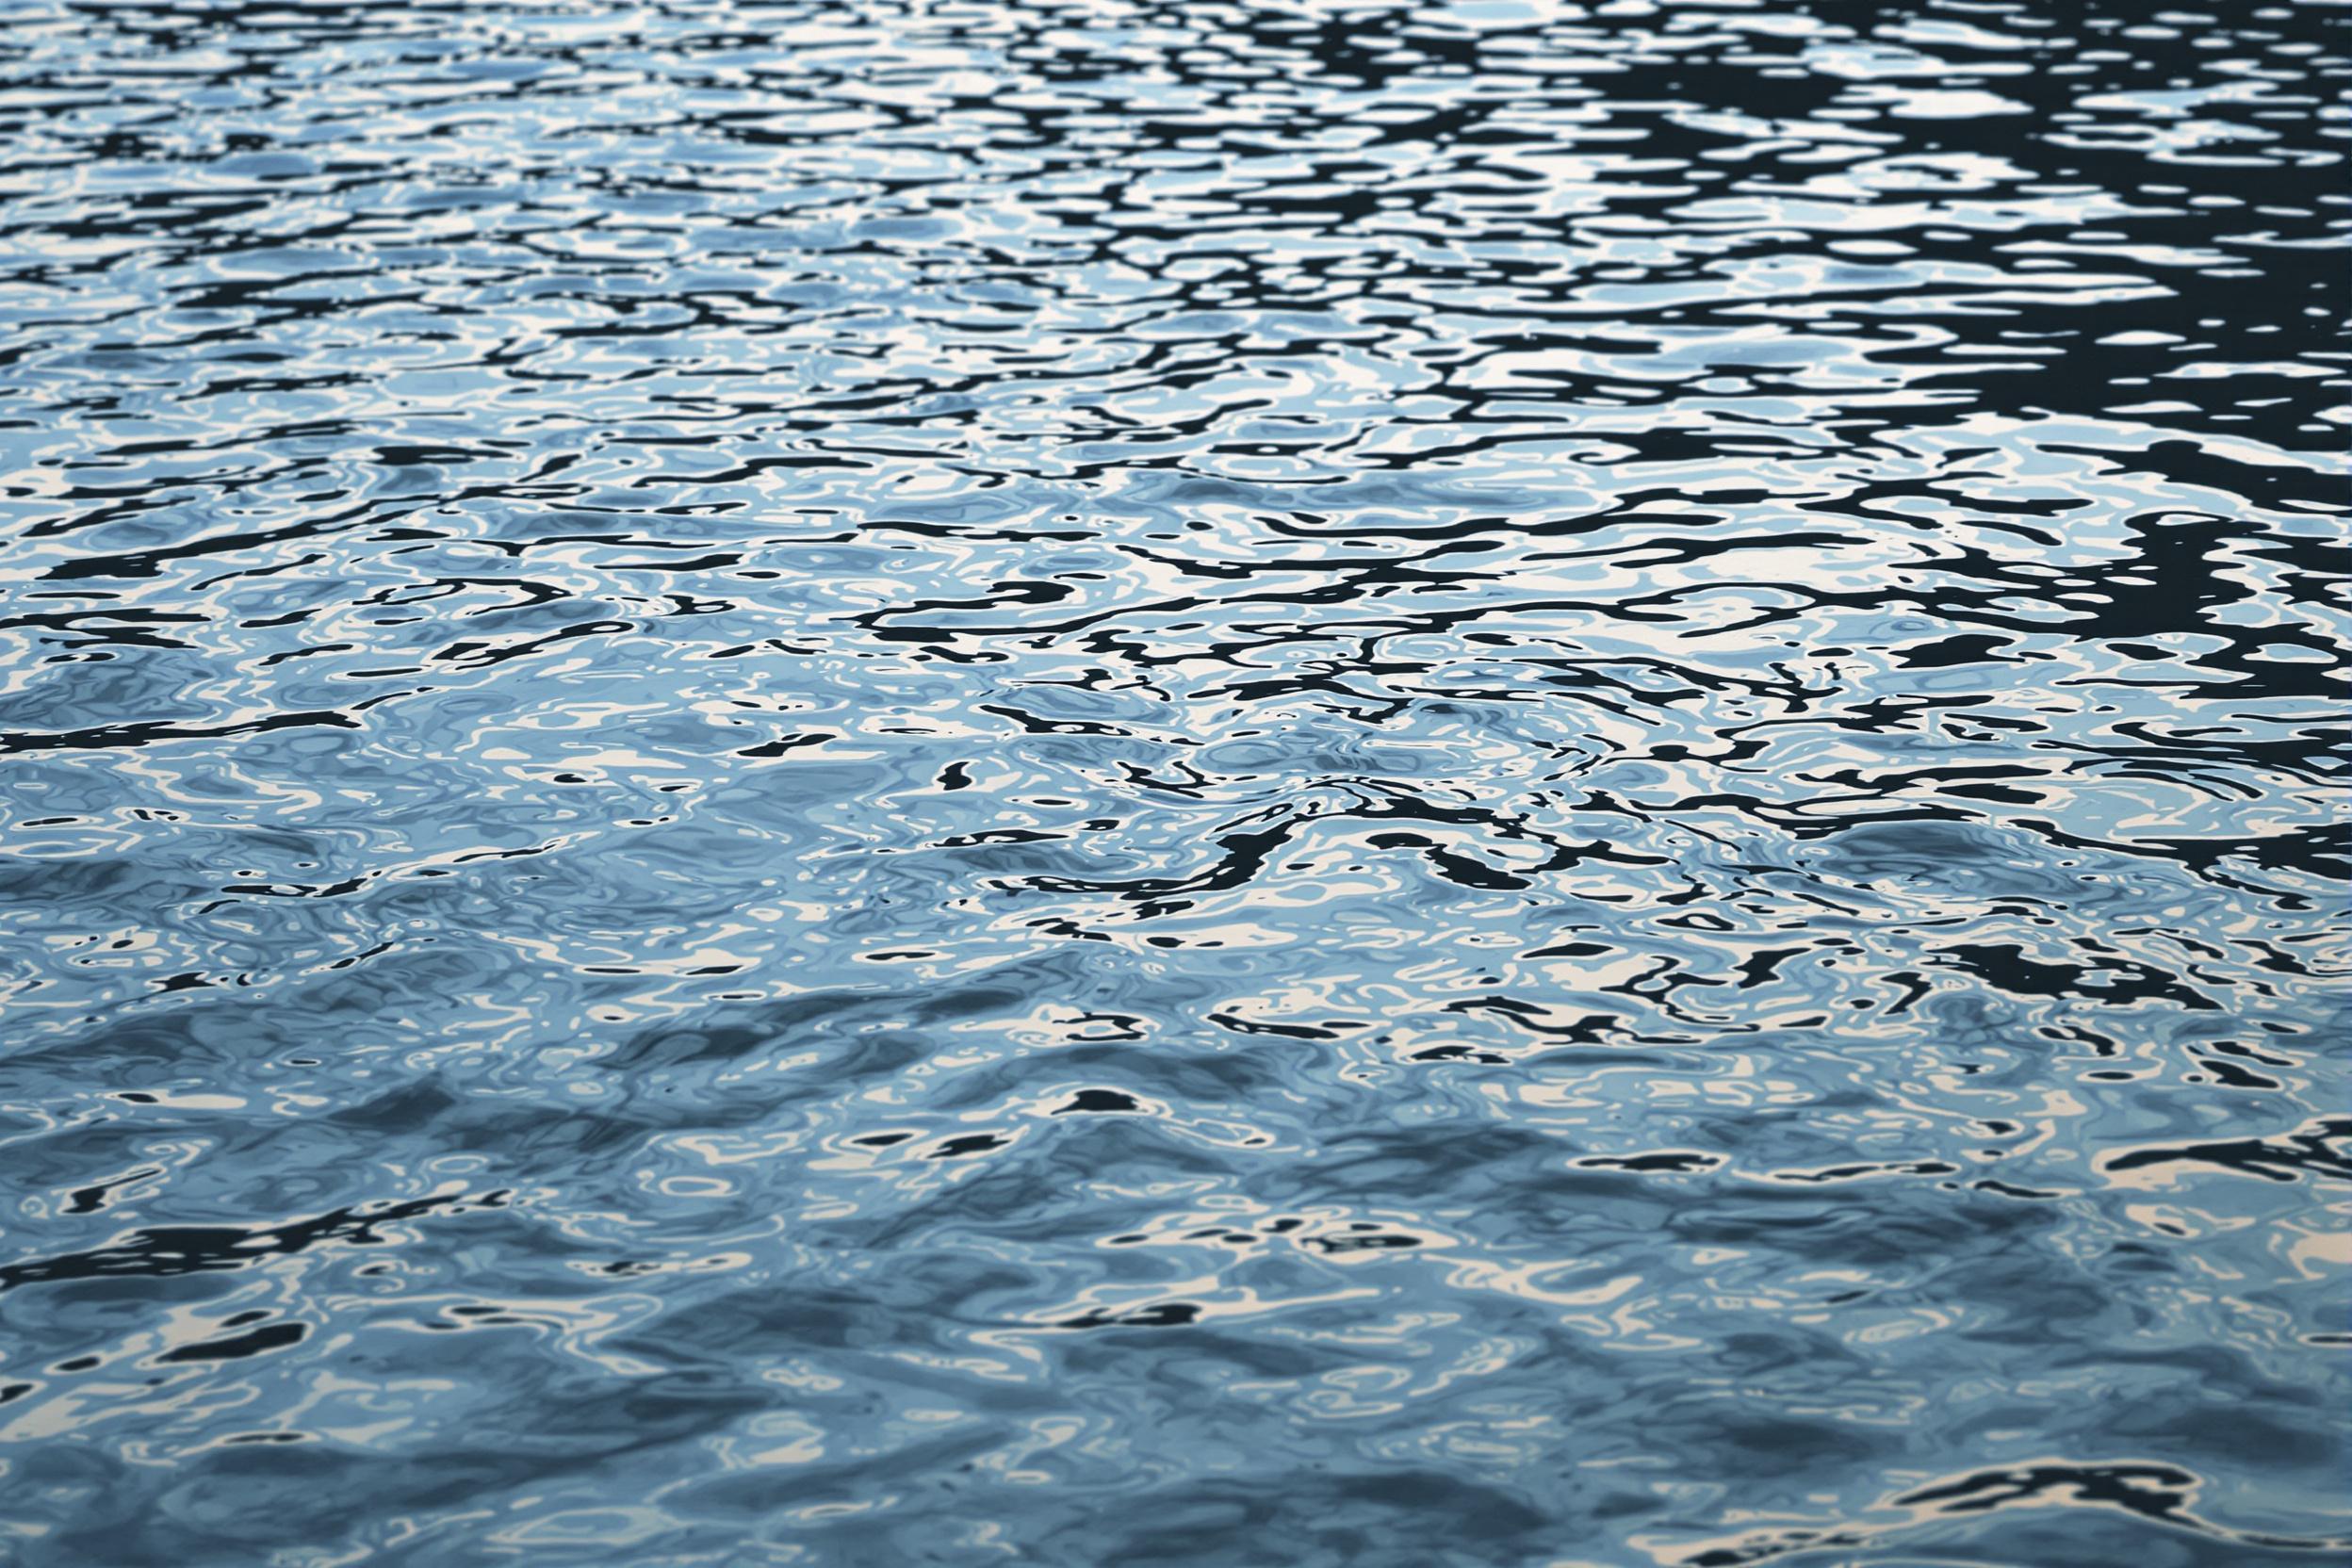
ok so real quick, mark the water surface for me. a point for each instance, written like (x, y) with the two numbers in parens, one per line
(1313, 784)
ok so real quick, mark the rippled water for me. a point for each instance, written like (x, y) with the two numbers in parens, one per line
(1311, 784)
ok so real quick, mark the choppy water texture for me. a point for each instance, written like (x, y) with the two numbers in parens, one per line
(1109, 784)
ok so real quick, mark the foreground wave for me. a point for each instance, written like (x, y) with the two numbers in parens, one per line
(1323, 783)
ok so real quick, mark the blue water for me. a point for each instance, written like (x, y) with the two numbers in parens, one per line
(1331, 784)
